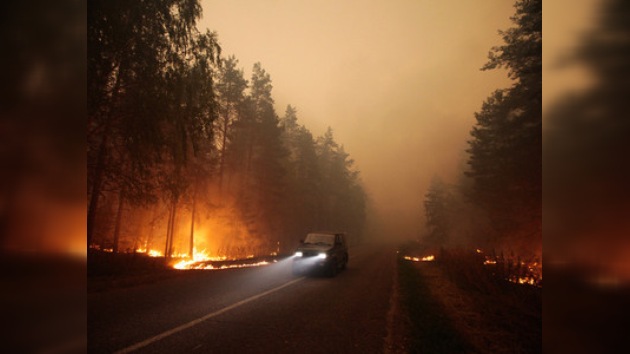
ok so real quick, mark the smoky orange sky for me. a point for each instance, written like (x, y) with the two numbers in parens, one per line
(398, 81)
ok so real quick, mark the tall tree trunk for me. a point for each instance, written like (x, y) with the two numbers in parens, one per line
(192, 227)
(100, 162)
(149, 240)
(96, 187)
(248, 160)
(121, 203)
(173, 229)
(169, 230)
(226, 122)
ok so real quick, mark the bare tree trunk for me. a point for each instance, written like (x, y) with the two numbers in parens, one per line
(173, 228)
(169, 230)
(121, 203)
(192, 228)
(100, 163)
(226, 122)
(96, 187)
(149, 240)
(248, 161)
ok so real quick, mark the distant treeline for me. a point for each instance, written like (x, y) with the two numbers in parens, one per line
(497, 201)
(183, 150)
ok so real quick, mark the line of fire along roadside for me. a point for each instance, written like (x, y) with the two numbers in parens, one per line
(528, 273)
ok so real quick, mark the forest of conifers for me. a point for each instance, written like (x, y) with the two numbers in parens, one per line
(183, 151)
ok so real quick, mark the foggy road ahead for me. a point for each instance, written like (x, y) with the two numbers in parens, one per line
(251, 310)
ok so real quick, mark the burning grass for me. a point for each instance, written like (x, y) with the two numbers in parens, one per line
(225, 264)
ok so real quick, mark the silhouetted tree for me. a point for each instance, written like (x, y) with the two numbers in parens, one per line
(506, 147)
(303, 182)
(268, 153)
(150, 96)
(343, 199)
(437, 209)
(189, 120)
(231, 95)
(128, 48)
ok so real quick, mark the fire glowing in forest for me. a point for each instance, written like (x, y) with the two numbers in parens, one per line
(198, 265)
(519, 272)
(201, 259)
(418, 259)
(523, 280)
(151, 253)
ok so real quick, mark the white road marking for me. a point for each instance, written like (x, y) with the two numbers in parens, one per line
(192, 323)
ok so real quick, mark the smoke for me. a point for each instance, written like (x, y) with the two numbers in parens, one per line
(397, 81)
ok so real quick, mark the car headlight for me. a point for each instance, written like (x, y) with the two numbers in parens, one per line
(322, 256)
(298, 254)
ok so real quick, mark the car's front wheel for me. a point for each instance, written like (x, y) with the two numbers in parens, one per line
(333, 269)
(344, 264)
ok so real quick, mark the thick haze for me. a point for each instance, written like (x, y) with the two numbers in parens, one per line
(398, 81)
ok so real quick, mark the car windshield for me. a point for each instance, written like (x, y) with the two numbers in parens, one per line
(323, 239)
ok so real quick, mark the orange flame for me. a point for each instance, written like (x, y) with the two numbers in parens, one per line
(533, 273)
(429, 258)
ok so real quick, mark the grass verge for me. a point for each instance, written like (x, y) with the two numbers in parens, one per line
(431, 331)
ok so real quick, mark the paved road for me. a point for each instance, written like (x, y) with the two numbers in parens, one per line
(251, 310)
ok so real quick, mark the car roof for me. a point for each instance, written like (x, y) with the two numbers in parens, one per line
(328, 232)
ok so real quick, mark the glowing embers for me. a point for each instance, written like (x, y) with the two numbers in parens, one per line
(514, 270)
(523, 280)
(429, 258)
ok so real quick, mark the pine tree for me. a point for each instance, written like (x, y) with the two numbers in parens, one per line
(231, 97)
(506, 147)
(437, 208)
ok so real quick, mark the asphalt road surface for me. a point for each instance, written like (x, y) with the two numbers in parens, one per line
(251, 310)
